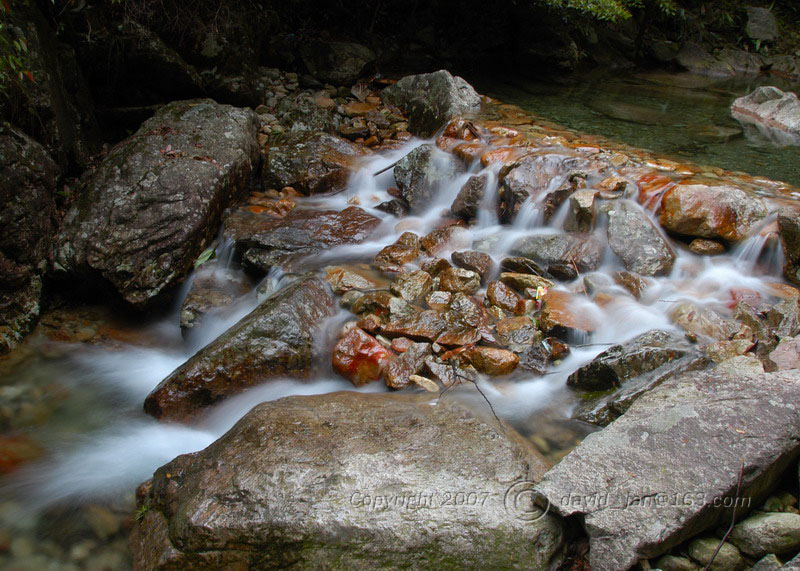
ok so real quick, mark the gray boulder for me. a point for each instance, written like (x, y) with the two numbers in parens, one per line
(761, 24)
(154, 203)
(27, 186)
(657, 475)
(342, 481)
(789, 232)
(637, 241)
(431, 99)
(339, 63)
(765, 533)
(311, 162)
(420, 174)
(276, 339)
(562, 255)
(774, 112)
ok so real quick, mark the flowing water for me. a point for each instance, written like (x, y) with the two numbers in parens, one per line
(97, 444)
(684, 116)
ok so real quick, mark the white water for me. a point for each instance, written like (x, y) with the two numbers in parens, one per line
(126, 451)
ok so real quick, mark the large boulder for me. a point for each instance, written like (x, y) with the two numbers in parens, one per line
(311, 162)
(658, 475)
(775, 112)
(266, 241)
(351, 481)
(27, 186)
(710, 210)
(789, 231)
(637, 241)
(276, 339)
(339, 63)
(154, 203)
(761, 24)
(421, 173)
(431, 99)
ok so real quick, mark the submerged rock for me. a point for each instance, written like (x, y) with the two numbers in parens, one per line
(650, 479)
(156, 199)
(340, 480)
(421, 173)
(276, 339)
(636, 240)
(311, 162)
(431, 99)
(212, 288)
(266, 241)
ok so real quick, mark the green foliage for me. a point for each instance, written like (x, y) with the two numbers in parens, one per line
(613, 10)
(208, 254)
(13, 49)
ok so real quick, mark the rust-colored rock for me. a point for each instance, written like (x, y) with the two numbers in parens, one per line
(422, 326)
(393, 257)
(478, 262)
(502, 296)
(492, 361)
(459, 336)
(397, 372)
(457, 280)
(562, 312)
(705, 247)
(443, 239)
(360, 358)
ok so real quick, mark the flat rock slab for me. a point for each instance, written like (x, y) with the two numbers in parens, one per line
(276, 339)
(351, 481)
(650, 479)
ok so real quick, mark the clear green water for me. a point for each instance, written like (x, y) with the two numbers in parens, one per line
(681, 115)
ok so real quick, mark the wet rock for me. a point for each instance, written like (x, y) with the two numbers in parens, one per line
(457, 280)
(684, 440)
(383, 304)
(522, 282)
(431, 99)
(787, 354)
(448, 373)
(392, 258)
(466, 310)
(765, 533)
(421, 173)
(633, 283)
(443, 239)
(620, 363)
(27, 210)
(522, 266)
(275, 339)
(266, 241)
(710, 211)
(395, 207)
(789, 231)
(581, 214)
(412, 286)
(435, 266)
(517, 333)
(492, 361)
(535, 359)
(343, 280)
(477, 262)
(558, 252)
(339, 63)
(360, 358)
(705, 247)
(157, 198)
(701, 321)
(314, 447)
(469, 198)
(399, 371)
(212, 288)
(636, 240)
(311, 162)
(459, 336)
(502, 296)
(439, 300)
(761, 24)
(703, 550)
(562, 313)
(422, 326)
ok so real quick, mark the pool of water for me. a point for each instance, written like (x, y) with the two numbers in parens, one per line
(682, 115)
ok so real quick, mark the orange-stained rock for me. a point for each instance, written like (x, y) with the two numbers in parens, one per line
(360, 358)
(401, 344)
(502, 155)
(652, 187)
(357, 108)
(469, 152)
(502, 296)
(492, 361)
(561, 311)
(746, 295)
(706, 247)
(16, 450)
(450, 238)
(393, 257)
(710, 210)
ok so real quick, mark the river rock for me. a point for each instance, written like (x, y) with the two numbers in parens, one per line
(156, 199)
(765, 533)
(339, 63)
(789, 231)
(582, 211)
(492, 361)
(636, 240)
(787, 354)
(619, 363)
(648, 481)
(399, 371)
(441, 240)
(275, 339)
(704, 247)
(311, 162)
(561, 254)
(393, 257)
(27, 188)
(212, 288)
(761, 24)
(770, 109)
(423, 326)
(478, 262)
(563, 313)
(291, 485)
(431, 99)
(266, 241)
(469, 198)
(711, 210)
(727, 557)
(342, 280)
(412, 286)
(502, 296)
(701, 321)
(457, 280)
(360, 358)
(421, 173)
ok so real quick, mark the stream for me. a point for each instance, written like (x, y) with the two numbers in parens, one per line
(78, 404)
